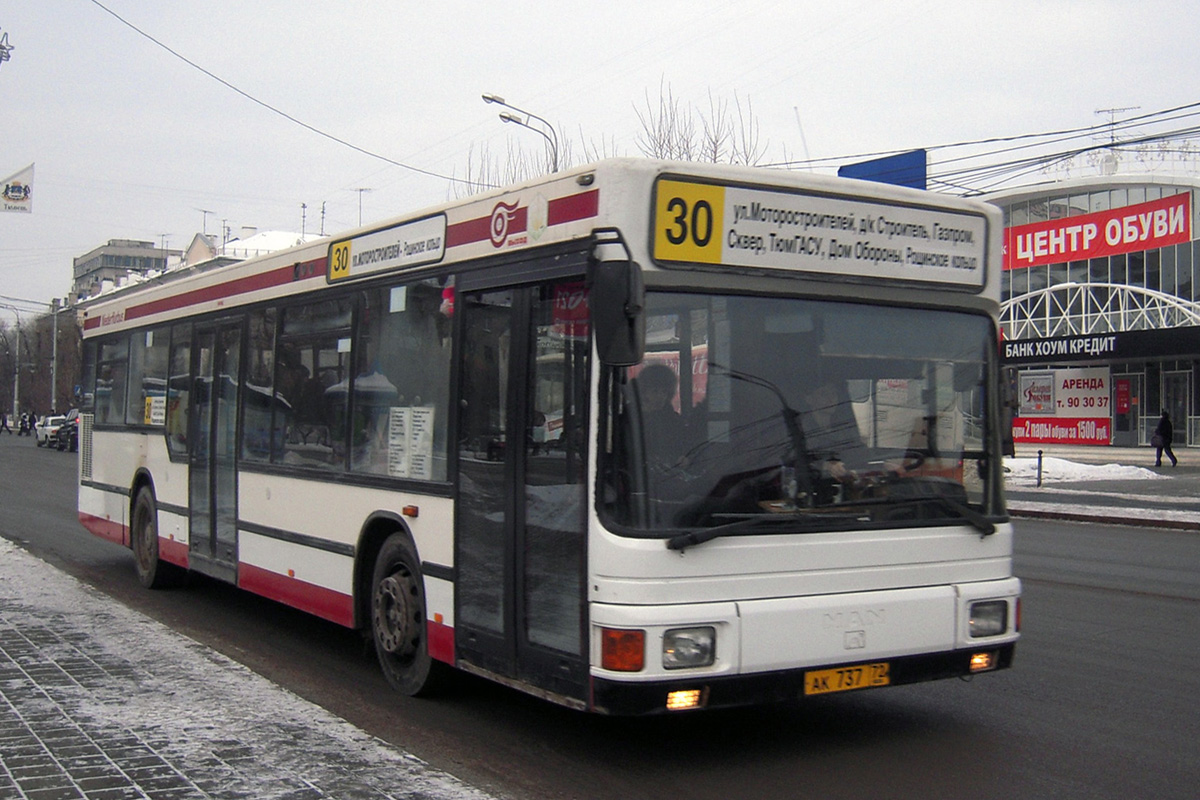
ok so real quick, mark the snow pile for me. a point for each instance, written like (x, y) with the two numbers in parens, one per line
(1023, 472)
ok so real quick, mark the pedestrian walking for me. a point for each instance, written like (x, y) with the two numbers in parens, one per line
(1164, 434)
(4, 423)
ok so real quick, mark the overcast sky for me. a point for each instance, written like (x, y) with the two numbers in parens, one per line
(132, 142)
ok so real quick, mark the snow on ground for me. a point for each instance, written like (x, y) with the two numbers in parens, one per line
(1023, 472)
(195, 706)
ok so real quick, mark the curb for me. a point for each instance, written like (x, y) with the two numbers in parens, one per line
(1112, 519)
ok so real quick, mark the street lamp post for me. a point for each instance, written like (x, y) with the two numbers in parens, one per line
(523, 118)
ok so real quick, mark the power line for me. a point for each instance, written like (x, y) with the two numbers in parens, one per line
(272, 108)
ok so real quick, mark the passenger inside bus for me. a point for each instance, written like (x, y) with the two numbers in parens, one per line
(655, 388)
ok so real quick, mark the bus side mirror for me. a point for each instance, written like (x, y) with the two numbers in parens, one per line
(617, 300)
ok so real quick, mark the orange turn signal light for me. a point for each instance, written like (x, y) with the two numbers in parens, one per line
(622, 650)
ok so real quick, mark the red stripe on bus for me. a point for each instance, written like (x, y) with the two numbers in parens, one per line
(105, 528)
(317, 600)
(221, 291)
(473, 230)
(569, 209)
(173, 552)
(559, 211)
(441, 641)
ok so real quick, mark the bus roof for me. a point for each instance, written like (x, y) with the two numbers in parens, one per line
(560, 208)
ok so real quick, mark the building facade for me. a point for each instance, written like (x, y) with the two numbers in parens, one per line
(116, 260)
(1101, 308)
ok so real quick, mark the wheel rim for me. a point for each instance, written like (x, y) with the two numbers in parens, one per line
(397, 619)
(144, 539)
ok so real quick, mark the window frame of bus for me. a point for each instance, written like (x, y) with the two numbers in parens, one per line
(344, 467)
(142, 343)
(111, 355)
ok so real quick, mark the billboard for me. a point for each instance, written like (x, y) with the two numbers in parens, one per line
(1144, 226)
(1064, 406)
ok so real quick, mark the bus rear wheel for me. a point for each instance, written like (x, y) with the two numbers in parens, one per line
(398, 622)
(152, 572)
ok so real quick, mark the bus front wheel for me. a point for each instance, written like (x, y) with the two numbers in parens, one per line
(398, 621)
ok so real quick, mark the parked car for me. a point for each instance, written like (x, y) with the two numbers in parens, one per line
(45, 429)
(67, 436)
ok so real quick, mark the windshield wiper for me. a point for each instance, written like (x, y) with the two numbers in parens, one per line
(757, 521)
(976, 520)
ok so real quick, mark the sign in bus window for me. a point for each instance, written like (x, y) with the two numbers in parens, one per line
(401, 386)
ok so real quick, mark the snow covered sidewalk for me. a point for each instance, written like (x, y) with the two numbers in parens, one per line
(98, 701)
(1110, 492)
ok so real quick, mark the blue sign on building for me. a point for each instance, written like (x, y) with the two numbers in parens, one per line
(904, 169)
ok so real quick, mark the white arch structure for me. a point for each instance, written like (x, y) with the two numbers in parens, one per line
(1075, 309)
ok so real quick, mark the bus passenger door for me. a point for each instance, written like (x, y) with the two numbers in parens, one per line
(521, 508)
(212, 476)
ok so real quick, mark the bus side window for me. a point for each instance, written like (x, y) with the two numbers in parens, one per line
(263, 417)
(401, 390)
(147, 377)
(311, 370)
(111, 374)
(179, 390)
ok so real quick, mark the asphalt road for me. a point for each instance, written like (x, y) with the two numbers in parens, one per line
(1102, 701)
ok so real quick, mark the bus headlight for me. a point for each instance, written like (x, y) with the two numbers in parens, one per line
(989, 618)
(689, 647)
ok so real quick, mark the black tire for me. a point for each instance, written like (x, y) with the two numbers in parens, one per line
(398, 622)
(152, 572)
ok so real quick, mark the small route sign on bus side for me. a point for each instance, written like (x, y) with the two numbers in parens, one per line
(403, 246)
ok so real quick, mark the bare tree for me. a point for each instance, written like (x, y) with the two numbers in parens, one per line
(668, 131)
(676, 131)
(747, 148)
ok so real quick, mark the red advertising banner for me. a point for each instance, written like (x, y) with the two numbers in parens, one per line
(1157, 223)
(1061, 430)
(1123, 393)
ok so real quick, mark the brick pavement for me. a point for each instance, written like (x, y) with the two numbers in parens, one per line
(100, 702)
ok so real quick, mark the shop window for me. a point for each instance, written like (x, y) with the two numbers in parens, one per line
(1098, 270)
(1058, 274)
(1020, 282)
(1153, 279)
(1038, 277)
(1136, 269)
(1167, 270)
(1020, 214)
(1183, 271)
(1195, 268)
(1118, 270)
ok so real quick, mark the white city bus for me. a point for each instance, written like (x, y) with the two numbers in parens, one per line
(469, 434)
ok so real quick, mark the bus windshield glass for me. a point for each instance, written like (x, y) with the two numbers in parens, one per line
(751, 410)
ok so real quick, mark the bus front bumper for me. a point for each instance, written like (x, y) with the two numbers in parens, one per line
(726, 691)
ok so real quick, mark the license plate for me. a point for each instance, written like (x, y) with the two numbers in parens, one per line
(843, 679)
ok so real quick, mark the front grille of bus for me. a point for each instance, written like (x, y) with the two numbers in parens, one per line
(85, 446)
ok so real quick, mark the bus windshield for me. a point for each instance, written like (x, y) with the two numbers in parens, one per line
(749, 410)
